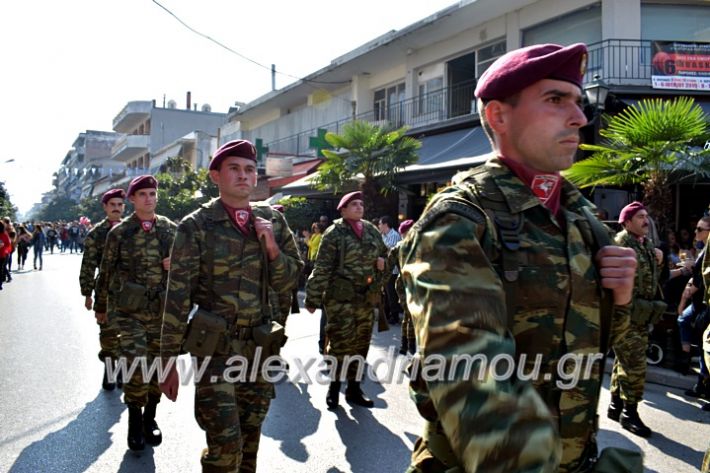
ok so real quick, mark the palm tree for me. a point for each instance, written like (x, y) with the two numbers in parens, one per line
(369, 156)
(654, 144)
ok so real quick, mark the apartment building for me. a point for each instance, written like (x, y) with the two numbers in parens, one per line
(424, 75)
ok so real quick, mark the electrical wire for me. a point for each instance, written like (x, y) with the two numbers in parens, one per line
(209, 38)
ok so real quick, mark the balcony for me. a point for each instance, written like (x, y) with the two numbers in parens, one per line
(132, 115)
(621, 62)
(130, 147)
(426, 110)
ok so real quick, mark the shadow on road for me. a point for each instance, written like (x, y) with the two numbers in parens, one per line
(291, 401)
(134, 462)
(692, 458)
(79, 444)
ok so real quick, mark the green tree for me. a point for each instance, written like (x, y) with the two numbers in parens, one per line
(182, 190)
(367, 156)
(59, 208)
(91, 208)
(653, 144)
(6, 207)
(301, 212)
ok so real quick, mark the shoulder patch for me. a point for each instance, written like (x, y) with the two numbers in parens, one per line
(466, 210)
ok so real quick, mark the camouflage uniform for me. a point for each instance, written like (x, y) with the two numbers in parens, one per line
(629, 372)
(349, 324)
(407, 335)
(231, 414)
(706, 341)
(451, 264)
(133, 255)
(90, 262)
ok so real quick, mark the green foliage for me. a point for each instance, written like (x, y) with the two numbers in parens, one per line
(59, 208)
(375, 153)
(182, 190)
(91, 208)
(6, 207)
(300, 212)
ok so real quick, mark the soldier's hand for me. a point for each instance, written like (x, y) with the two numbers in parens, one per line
(101, 317)
(659, 255)
(265, 230)
(171, 384)
(617, 266)
(166, 263)
(88, 303)
(380, 264)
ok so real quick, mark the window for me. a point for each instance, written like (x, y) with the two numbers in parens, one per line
(584, 26)
(431, 96)
(488, 54)
(389, 103)
(675, 23)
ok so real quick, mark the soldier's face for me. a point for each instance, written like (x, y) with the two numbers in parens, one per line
(144, 200)
(354, 210)
(638, 225)
(236, 178)
(114, 208)
(541, 129)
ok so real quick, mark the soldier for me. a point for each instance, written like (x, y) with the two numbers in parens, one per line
(113, 204)
(408, 342)
(347, 279)
(129, 291)
(629, 372)
(223, 254)
(502, 265)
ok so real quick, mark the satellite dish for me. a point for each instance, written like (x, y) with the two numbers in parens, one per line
(206, 107)
(172, 104)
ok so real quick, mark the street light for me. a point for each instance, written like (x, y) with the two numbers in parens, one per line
(596, 92)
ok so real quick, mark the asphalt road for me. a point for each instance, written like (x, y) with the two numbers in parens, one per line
(56, 418)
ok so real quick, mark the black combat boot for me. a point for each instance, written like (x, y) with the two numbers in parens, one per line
(106, 384)
(354, 395)
(631, 421)
(333, 397)
(412, 342)
(699, 389)
(136, 441)
(404, 347)
(151, 431)
(615, 407)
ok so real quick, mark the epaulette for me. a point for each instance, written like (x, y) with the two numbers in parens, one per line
(466, 210)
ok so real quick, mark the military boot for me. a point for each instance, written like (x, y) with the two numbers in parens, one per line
(404, 347)
(136, 441)
(631, 421)
(106, 384)
(412, 342)
(699, 389)
(615, 407)
(354, 395)
(333, 397)
(151, 431)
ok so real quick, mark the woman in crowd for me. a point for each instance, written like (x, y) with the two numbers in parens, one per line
(24, 241)
(38, 242)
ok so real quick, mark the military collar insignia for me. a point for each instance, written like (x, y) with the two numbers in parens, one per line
(242, 217)
(543, 186)
(147, 225)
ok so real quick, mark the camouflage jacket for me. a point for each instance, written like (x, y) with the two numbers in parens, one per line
(451, 270)
(236, 290)
(359, 260)
(647, 271)
(131, 254)
(91, 259)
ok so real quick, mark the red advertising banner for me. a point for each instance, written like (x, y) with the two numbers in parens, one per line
(683, 66)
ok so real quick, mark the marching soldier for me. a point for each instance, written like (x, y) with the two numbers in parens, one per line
(629, 372)
(129, 291)
(408, 342)
(347, 278)
(113, 204)
(227, 256)
(502, 265)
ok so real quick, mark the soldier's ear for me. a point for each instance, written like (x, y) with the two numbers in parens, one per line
(496, 115)
(214, 175)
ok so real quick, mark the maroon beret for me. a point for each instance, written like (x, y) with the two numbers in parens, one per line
(628, 212)
(405, 226)
(518, 69)
(348, 197)
(238, 148)
(142, 182)
(113, 194)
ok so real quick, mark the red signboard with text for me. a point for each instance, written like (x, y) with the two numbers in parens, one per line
(684, 66)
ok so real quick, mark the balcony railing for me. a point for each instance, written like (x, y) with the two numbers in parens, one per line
(422, 110)
(620, 62)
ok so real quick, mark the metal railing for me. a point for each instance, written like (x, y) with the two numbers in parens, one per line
(422, 110)
(620, 62)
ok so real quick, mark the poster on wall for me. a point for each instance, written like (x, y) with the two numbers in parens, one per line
(684, 66)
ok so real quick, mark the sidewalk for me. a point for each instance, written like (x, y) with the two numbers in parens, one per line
(663, 376)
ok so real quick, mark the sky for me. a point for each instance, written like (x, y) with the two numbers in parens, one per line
(71, 66)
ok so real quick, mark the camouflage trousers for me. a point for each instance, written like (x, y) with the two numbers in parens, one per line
(407, 326)
(628, 375)
(140, 339)
(349, 330)
(109, 340)
(231, 414)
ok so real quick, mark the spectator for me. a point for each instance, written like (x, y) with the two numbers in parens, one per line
(51, 238)
(24, 241)
(38, 242)
(391, 237)
(5, 248)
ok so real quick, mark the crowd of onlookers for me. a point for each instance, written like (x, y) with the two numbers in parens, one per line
(16, 240)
